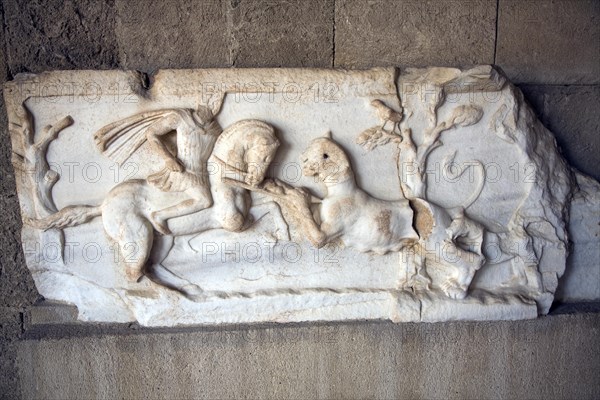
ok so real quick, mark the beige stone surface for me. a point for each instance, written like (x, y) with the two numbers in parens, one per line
(549, 41)
(555, 357)
(183, 34)
(51, 313)
(171, 34)
(414, 33)
(295, 33)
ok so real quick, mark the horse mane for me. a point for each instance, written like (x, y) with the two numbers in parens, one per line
(234, 140)
(249, 126)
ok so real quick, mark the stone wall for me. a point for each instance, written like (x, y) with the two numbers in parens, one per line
(551, 49)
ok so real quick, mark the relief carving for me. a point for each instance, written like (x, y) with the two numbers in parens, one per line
(393, 214)
(138, 211)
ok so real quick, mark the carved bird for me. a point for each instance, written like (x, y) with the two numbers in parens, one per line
(386, 114)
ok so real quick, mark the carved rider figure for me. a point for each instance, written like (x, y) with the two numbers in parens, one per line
(183, 171)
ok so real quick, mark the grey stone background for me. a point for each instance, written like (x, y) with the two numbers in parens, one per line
(551, 49)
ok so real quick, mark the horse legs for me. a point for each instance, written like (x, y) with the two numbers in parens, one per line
(227, 214)
(234, 214)
(163, 276)
(195, 223)
(133, 235)
(201, 199)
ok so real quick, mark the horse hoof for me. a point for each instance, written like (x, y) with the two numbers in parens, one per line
(453, 291)
(194, 293)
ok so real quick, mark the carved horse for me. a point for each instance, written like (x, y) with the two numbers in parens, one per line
(449, 243)
(242, 152)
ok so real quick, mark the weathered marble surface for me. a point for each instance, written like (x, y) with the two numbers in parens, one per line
(429, 195)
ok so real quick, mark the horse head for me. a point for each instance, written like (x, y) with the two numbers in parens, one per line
(247, 146)
(259, 153)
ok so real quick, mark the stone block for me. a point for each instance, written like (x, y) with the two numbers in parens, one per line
(49, 313)
(46, 35)
(294, 33)
(571, 113)
(16, 285)
(414, 33)
(10, 331)
(549, 41)
(581, 281)
(552, 357)
(172, 34)
(10, 323)
(3, 66)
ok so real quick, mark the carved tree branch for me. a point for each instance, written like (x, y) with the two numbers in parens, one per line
(407, 160)
(33, 162)
(461, 116)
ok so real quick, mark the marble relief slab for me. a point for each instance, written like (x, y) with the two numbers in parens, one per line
(286, 195)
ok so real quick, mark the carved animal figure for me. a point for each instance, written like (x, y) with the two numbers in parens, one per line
(349, 213)
(368, 224)
(244, 150)
(386, 114)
